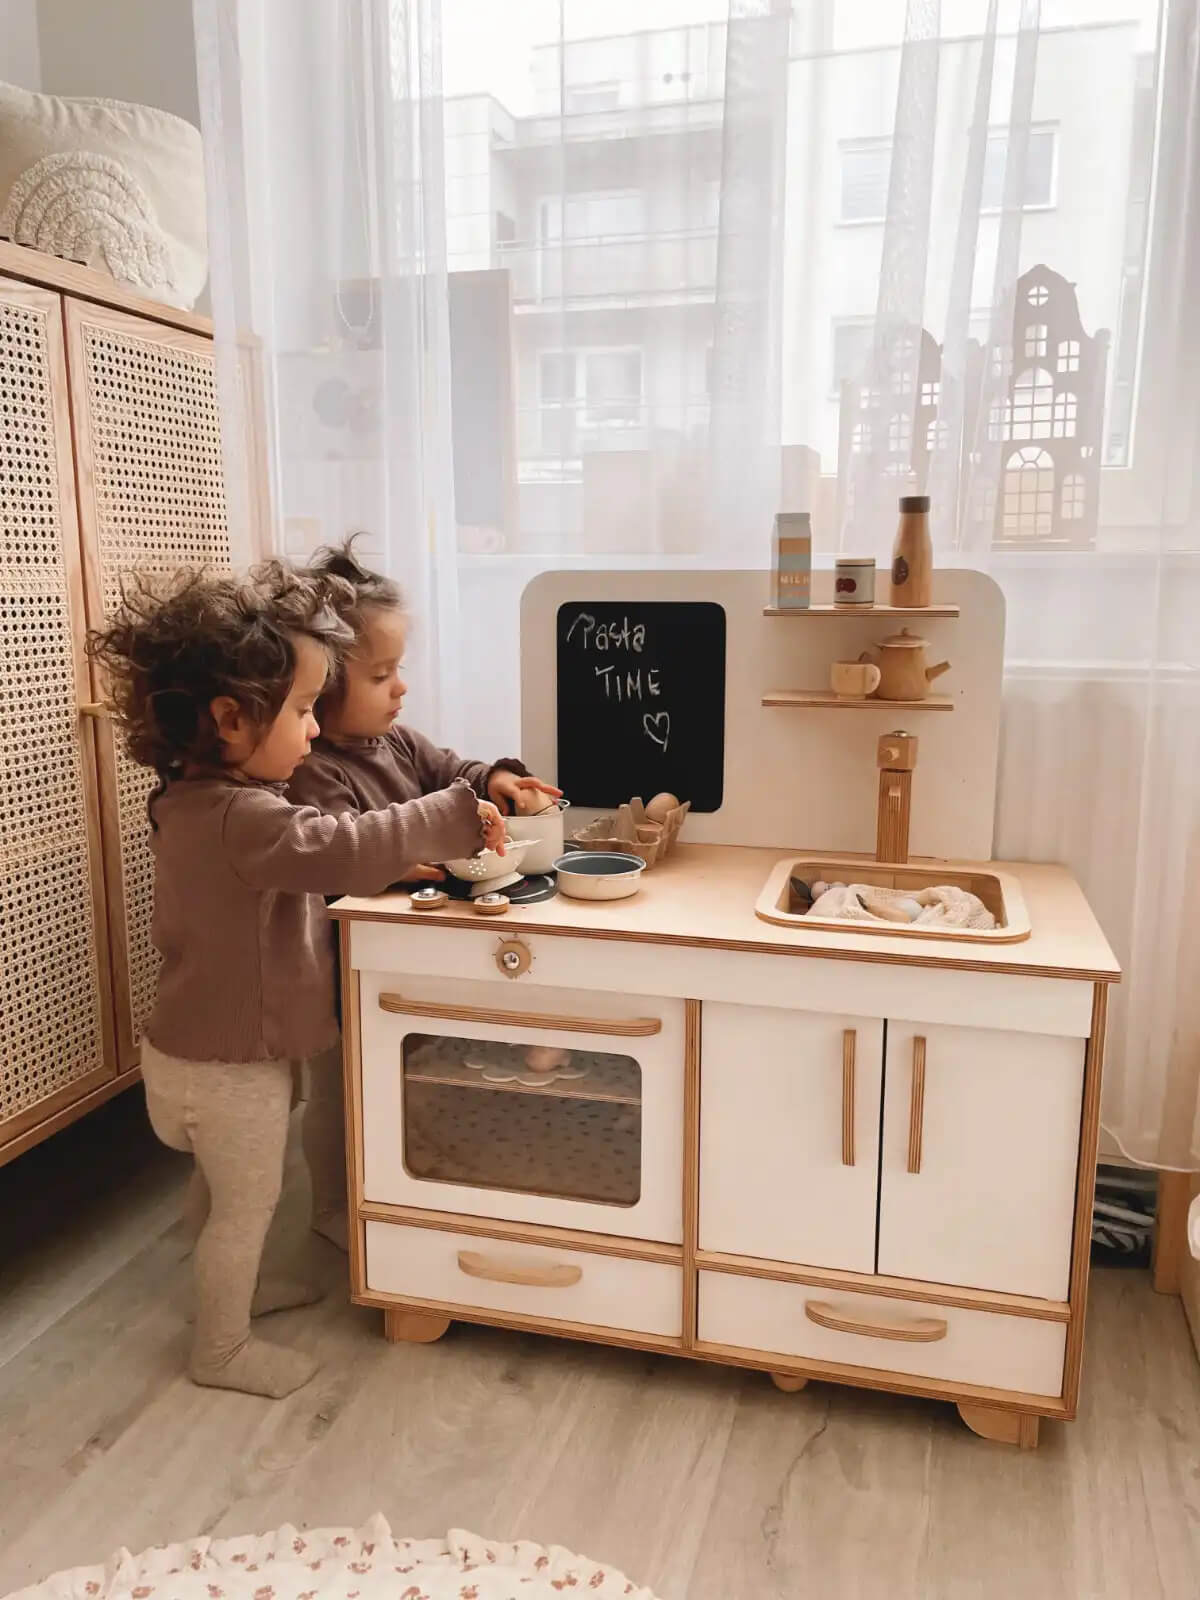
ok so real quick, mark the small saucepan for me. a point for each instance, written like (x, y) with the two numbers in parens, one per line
(599, 874)
(543, 831)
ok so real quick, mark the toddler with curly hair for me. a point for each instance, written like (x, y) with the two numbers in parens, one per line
(214, 682)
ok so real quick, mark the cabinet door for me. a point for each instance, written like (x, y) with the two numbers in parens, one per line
(980, 1150)
(55, 1011)
(151, 497)
(789, 1135)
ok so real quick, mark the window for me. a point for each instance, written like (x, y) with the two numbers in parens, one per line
(1066, 415)
(594, 96)
(866, 166)
(1074, 497)
(506, 228)
(851, 352)
(588, 215)
(931, 392)
(1068, 355)
(1039, 169)
(1036, 334)
(1028, 415)
(1028, 495)
(580, 389)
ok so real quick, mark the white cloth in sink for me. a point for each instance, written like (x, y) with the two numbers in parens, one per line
(940, 907)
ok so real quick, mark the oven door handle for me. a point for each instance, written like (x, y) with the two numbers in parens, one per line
(617, 1027)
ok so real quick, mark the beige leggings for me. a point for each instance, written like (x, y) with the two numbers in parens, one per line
(234, 1120)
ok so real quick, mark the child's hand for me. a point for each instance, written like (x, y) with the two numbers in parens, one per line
(493, 827)
(422, 873)
(512, 793)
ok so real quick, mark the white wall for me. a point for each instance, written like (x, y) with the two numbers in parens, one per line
(19, 58)
(140, 50)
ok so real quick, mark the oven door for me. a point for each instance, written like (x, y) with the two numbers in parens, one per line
(557, 1106)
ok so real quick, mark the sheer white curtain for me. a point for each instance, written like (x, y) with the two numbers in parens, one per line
(600, 282)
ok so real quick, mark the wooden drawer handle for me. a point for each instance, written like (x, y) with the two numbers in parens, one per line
(559, 1276)
(875, 1324)
(95, 709)
(849, 1043)
(619, 1027)
(916, 1105)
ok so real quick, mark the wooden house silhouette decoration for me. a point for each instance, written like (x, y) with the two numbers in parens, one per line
(888, 427)
(1046, 428)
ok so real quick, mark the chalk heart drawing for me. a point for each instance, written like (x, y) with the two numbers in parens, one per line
(658, 726)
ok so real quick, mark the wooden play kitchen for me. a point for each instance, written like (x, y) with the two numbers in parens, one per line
(696, 1123)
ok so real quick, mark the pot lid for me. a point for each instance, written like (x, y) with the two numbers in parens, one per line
(903, 641)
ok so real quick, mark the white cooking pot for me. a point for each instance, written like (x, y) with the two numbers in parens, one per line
(544, 832)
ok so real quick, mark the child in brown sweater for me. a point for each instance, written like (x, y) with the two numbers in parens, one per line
(365, 758)
(214, 683)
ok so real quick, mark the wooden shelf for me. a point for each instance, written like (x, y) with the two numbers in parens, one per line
(802, 699)
(862, 611)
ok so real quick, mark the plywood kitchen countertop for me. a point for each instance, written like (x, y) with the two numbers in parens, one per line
(704, 895)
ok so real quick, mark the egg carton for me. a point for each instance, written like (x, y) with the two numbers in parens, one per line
(632, 832)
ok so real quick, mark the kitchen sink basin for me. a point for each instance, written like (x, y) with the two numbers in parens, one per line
(999, 891)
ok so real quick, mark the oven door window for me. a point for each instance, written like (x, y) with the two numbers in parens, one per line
(533, 1119)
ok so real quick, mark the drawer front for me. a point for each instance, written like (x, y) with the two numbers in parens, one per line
(455, 1119)
(851, 1329)
(798, 983)
(527, 1280)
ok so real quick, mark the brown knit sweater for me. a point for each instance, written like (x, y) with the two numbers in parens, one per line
(239, 919)
(364, 774)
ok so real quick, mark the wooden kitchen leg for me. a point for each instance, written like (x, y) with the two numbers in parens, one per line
(1005, 1427)
(789, 1382)
(402, 1325)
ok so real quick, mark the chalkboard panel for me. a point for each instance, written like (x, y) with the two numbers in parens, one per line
(641, 701)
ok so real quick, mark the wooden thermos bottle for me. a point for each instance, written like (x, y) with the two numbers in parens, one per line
(912, 554)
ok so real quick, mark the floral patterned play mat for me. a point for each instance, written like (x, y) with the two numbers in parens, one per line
(340, 1564)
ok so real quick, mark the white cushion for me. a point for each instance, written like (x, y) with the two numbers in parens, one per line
(119, 187)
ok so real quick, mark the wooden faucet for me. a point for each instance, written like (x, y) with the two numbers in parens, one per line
(895, 757)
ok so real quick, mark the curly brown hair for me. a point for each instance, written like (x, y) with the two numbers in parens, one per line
(361, 591)
(175, 644)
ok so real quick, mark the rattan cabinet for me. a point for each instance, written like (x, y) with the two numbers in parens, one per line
(109, 460)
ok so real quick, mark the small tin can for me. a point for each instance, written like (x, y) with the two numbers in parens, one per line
(793, 560)
(854, 581)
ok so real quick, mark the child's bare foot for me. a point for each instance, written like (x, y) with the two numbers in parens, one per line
(257, 1368)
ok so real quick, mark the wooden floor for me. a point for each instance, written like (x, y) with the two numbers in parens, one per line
(702, 1482)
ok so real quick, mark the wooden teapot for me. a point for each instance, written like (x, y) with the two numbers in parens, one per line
(903, 674)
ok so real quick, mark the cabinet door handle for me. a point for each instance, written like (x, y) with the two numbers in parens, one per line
(557, 1276)
(916, 1105)
(95, 708)
(619, 1027)
(875, 1324)
(849, 1042)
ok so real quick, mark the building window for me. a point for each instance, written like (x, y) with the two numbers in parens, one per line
(506, 228)
(587, 389)
(899, 433)
(592, 214)
(1028, 495)
(1035, 339)
(1039, 171)
(937, 435)
(1068, 355)
(931, 392)
(1028, 415)
(594, 96)
(851, 352)
(1066, 415)
(1038, 295)
(1074, 497)
(866, 166)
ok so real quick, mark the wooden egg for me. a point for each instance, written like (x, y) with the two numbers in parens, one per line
(661, 807)
(545, 1058)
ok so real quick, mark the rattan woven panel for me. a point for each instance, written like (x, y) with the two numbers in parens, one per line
(51, 1031)
(155, 447)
